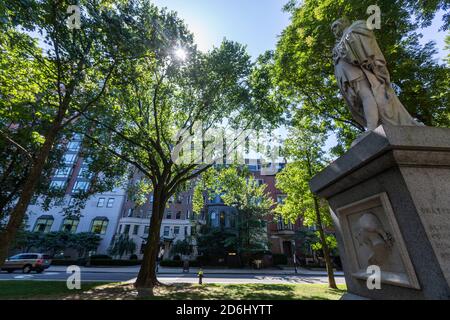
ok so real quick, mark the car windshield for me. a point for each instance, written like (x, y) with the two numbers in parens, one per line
(26, 256)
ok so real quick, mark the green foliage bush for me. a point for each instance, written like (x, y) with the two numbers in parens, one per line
(100, 257)
(96, 262)
(68, 262)
(111, 262)
(279, 259)
(178, 264)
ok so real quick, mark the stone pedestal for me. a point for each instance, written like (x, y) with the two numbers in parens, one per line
(390, 201)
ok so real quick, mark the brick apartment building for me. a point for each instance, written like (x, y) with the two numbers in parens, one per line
(113, 213)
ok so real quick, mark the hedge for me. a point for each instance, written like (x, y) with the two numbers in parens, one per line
(279, 259)
(178, 264)
(96, 262)
(108, 262)
(67, 262)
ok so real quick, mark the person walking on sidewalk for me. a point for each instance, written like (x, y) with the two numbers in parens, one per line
(159, 258)
(186, 266)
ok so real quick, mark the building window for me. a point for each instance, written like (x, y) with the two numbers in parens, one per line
(43, 224)
(77, 136)
(169, 215)
(99, 225)
(186, 231)
(101, 202)
(166, 231)
(74, 146)
(63, 172)
(178, 216)
(284, 226)
(57, 184)
(130, 212)
(80, 186)
(69, 159)
(146, 229)
(148, 214)
(84, 173)
(120, 228)
(127, 229)
(176, 230)
(70, 225)
(136, 229)
(214, 219)
(188, 214)
(110, 203)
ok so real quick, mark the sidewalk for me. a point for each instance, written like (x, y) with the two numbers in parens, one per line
(164, 270)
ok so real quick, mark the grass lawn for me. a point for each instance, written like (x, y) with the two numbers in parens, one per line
(250, 292)
(38, 289)
(123, 291)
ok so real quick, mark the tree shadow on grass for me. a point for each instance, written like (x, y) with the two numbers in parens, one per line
(212, 292)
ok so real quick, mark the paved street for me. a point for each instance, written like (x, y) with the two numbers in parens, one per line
(175, 276)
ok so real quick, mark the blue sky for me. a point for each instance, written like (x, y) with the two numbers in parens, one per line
(256, 23)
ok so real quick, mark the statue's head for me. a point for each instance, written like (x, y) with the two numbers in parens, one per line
(368, 222)
(338, 27)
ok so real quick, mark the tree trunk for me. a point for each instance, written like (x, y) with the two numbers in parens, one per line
(146, 279)
(18, 214)
(325, 249)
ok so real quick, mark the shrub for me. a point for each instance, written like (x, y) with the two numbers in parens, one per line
(171, 263)
(279, 259)
(96, 262)
(100, 257)
(179, 264)
(68, 262)
(110, 262)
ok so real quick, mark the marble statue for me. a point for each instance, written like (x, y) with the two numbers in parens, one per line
(363, 78)
(372, 235)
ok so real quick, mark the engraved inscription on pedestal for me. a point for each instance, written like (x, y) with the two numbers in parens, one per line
(430, 191)
(438, 226)
(372, 237)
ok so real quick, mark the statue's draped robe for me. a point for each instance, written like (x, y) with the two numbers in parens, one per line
(357, 55)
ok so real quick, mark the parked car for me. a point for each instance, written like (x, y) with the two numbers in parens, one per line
(27, 262)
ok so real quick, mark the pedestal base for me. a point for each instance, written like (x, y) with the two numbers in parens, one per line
(390, 202)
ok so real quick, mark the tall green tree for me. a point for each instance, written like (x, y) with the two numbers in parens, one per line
(304, 147)
(73, 69)
(304, 66)
(171, 93)
(21, 125)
